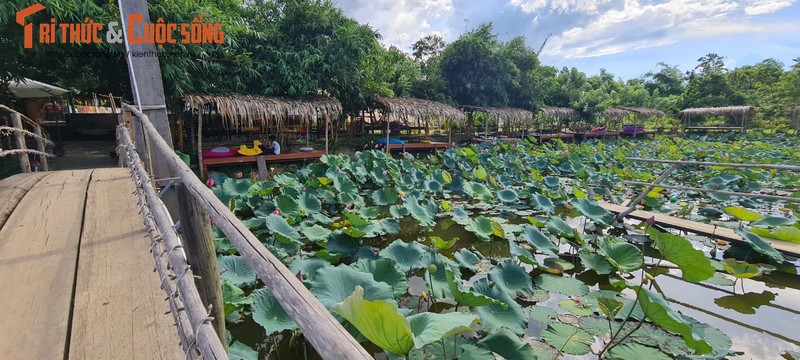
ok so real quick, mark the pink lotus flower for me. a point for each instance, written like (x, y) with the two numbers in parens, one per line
(276, 212)
(566, 151)
(350, 206)
(651, 220)
(239, 175)
(385, 172)
(210, 182)
(576, 298)
(337, 171)
(403, 198)
(377, 146)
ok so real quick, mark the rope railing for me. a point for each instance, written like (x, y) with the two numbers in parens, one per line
(320, 328)
(19, 133)
(177, 279)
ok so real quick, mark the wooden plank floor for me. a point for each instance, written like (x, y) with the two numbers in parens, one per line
(77, 276)
(714, 232)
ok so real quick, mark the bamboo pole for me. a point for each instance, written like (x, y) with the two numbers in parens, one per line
(321, 329)
(202, 256)
(327, 123)
(641, 196)
(200, 142)
(206, 338)
(41, 147)
(19, 138)
(704, 163)
(721, 192)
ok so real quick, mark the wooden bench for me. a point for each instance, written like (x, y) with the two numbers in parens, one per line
(419, 146)
(280, 158)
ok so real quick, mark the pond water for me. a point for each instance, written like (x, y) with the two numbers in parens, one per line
(759, 315)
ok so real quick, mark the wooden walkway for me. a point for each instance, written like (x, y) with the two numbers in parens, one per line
(77, 275)
(711, 231)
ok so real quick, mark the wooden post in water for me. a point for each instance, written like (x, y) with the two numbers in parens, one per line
(200, 141)
(261, 162)
(19, 138)
(202, 256)
(41, 147)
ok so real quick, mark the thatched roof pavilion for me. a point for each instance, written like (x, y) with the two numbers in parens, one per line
(424, 112)
(239, 111)
(739, 114)
(560, 114)
(617, 114)
(510, 117)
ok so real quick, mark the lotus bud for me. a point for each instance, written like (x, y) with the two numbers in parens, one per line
(210, 182)
(239, 175)
(351, 206)
(276, 212)
(651, 220)
(403, 198)
(299, 275)
(432, 268)
(385, 172)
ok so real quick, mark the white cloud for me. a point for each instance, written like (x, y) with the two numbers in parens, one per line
(760, 7)
(559, 6)
(400, 22)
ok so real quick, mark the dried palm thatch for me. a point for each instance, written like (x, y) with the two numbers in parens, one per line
(623, 112)
(560, 114)
(423, 112)
(505, 115)
(736, 112)
(238, 111)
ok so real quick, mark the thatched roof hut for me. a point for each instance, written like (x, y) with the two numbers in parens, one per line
(560, 114)
(423, 112)
(238, 111)
(620, 113)
(738, 114)
(506, 115)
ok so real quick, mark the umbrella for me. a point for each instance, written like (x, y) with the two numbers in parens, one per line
(34, 89)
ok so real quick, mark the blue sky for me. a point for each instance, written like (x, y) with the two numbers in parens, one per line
(626, 37)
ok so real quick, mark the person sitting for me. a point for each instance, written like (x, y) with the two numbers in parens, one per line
(272, 147)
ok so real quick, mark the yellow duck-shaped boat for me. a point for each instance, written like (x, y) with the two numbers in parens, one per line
(255, 150)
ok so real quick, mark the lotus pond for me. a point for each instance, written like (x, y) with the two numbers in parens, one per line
(502, 249)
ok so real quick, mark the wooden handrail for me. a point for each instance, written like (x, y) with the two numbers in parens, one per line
(321, 329)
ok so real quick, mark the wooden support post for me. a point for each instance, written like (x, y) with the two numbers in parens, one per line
(327, 123)
(261, 161)
(19, 139)
(201, 254)
(200, 141)
(41, 148)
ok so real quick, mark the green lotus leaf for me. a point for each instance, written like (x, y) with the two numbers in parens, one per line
(332, 285)
(479, 173)
(467, 259)
(464, 297)
(773, 221)
(558, 227)
(709, 212)
(579, 308)
(262, 188)
(424, 213)
(233, 268)
(508, 345)
(343, 184)
(578, 193)
(281, 229)
(511, 278)
(481, 226)
(398, 211)
(761, 246)
(622, 255)
(384, 196)
(307, 267)
(508, 196)
(268, 313)
(433, 186)
(385, 270)
(431, 327)
(472, 352)
(743, 214)
(239, 351)
(342, 244)
(594, 212)
(477, 190)
(741, 269)
(719, 279)
(634, 351)
(551, 181)
(309, 203)
(562, 285)
(237, 187)
(609, 306)
(595, 262)
(521, 253)
(539, 241)
(494, 316)
(543, 203)
(658, 311)
(233, 297)
(287, 205)
(694, 264)
(446, 177)
(315, 232)
(542, 314)
(782, 233)
(406, 255)
(569, 339)
(437, 280)
(379, 322)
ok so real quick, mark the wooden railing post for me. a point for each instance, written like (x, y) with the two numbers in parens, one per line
(202, 256)
(19, 138)
(41, 145)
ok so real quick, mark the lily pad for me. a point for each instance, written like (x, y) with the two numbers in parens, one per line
(406, 255)
(281, 229)
(634, 351)
(268, 313)
(543, 203)
(464, 297)
(694, 264)
(333, 285)
(431, 327)
(494, 316)
(384, 270)
(773, 221)
(511, 278)
(239, 351)
(508, 196)
(507, 344)
(233, 268)
(760, 245)
(539, 241)
(658, 311)
(579, 308)
(467, 259)
(481, 226)
(594, 212)
(595, 262)
(743, 214)
(562, 285)
(567, 338)
(623, 256)
(316, 233)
